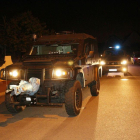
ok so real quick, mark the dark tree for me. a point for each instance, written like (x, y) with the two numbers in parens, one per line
(17, 34)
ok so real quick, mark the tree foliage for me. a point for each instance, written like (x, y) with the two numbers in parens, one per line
(17, 34)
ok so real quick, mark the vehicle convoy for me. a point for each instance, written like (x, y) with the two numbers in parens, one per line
(114, 60)
(59, 66)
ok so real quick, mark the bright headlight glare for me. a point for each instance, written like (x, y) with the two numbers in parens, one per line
(60, 72)
(124, 62)
(10, 73)
(63, 73)
(102, 62)
(13, 73)
(124, 69)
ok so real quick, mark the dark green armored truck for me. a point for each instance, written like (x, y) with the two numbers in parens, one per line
(64, 64)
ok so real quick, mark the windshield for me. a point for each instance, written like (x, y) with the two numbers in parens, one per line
(54, 49)
(114, 52)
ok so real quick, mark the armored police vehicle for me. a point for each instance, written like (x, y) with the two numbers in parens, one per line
(62, 64)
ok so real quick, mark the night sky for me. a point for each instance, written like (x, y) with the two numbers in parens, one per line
(98, 18)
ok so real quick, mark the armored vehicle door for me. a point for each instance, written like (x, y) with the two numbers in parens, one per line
(91, 59)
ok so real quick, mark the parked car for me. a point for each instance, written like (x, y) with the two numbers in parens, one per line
(114, 60)
(135, 58)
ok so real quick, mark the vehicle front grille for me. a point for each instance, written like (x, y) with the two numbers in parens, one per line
(48, 73)
(113, 67)
(34, 73)
(37, 63)
(113, 63)
(38, 73)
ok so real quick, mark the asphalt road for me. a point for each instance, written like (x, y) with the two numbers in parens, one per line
(113, 115)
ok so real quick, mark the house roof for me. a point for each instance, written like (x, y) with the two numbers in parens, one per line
(132, 38)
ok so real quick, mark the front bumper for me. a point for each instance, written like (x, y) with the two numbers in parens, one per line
(115, 68)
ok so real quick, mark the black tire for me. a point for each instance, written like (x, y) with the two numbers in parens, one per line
(95, 87)
(9, 101)
(73, 98)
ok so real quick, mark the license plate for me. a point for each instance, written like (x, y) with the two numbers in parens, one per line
(112, 69)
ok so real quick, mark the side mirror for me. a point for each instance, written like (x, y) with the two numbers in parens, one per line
(91, 54)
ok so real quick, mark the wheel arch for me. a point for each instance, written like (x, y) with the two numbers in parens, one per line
(97, 72)
(80, 77)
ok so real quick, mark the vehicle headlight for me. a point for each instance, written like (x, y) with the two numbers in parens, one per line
(124, 69)
(60, 73)
(102, 62)
(13, 73)
(124, 62)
